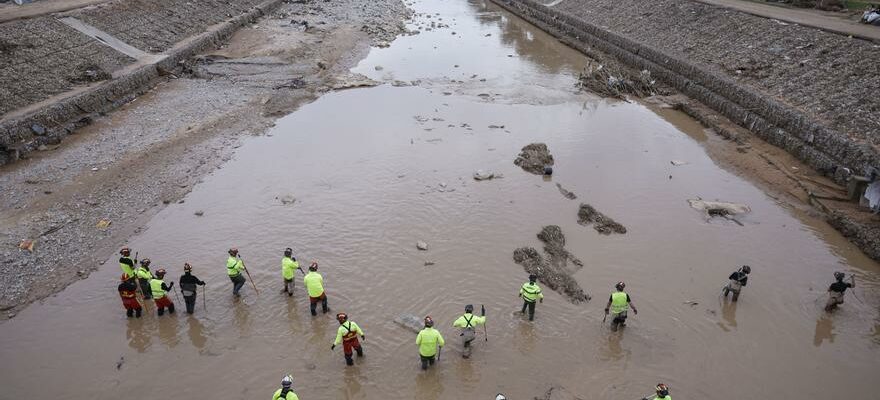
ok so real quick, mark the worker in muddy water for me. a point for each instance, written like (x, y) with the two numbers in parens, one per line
(661, 393)
(128, 292)
(738, 279)
(468, 324)
(234, 268)
(430, 343)
(289, 266)
(143, 276)
(126, 262)
(618, 303)
(836, 290)
(347, 334)
(286, 391)
(188, 287)
(314, 284)
(159, 289)
(531, 293)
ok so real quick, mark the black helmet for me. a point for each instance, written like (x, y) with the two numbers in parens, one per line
(288, 252)
(746, 269)
(469, 308)
(533, 278)
(662, 390)
(839, 275)
(620, 286)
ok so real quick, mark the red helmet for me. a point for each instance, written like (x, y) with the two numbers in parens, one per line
(125, 251)
(429, 322)
(187, 267)
(124, 277)
(341, 317)
(662, 390)
(313, 266)
(160, 272)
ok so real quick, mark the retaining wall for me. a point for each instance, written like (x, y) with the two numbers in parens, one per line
(17, 136)
(819, 146)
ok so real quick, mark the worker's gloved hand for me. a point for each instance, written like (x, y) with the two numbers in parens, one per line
(606, 311)
(171, 285)
(541, 301)
(636, 312)
(363, 337)
(519, 295)
(333, 347)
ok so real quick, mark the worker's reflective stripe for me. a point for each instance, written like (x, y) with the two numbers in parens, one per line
(618, 302)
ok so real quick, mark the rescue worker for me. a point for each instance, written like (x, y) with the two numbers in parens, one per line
(188, 287)
(836, 290)
(468, 323)
(234, 268)
(619, 302)
(285, 393)
(128, 291)
(347, 334)
(144, 275)
(158, 289)
(530, 293)
(126, 262)
(314, 283)
(738, 279)
(429, 340)
(662, 393)
(288, 266)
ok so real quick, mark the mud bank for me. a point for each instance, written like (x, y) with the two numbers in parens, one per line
(790, 92)
(127, 165)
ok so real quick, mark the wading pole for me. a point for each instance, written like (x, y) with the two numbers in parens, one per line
(205, 297)
(249, 276)
(485, 330)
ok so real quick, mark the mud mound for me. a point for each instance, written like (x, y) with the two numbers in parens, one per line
(534, 157)
(601, 223)
(552, 271)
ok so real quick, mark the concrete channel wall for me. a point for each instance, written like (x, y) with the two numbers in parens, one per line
(823, 148)
(24, 132)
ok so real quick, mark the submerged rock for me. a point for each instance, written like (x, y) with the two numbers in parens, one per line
(411, 322)
(421, 245)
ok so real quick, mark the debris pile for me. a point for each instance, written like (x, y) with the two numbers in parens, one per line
(603, 224)
(534, 157)
(553, 270)
(612, 81)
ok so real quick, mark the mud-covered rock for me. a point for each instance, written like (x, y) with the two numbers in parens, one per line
(587, 215)
(534, 157)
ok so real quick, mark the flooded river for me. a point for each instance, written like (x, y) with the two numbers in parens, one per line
(375, 170)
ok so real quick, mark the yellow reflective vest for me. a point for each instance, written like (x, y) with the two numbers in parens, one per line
(348, 330)
(531, 292)
(469, 320)
(156, 288)
(234, 266)
(127, 265)
(288, 267)
(314, 284)
(143, 273)
(290, 395)
(619, 302)
(428, 340)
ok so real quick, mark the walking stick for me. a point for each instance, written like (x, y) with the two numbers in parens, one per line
(249, 276)
(137, 281)
(439, 353)
(205, 297)
(485, 331)
(176, 296)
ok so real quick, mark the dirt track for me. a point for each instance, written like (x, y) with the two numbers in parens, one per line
(126, 166)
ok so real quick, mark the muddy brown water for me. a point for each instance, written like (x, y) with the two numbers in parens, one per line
(375, 170)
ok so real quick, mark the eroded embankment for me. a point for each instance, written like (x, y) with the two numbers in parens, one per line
(800, 89)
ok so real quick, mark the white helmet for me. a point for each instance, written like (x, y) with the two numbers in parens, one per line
(500, 397)
(287, 381)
